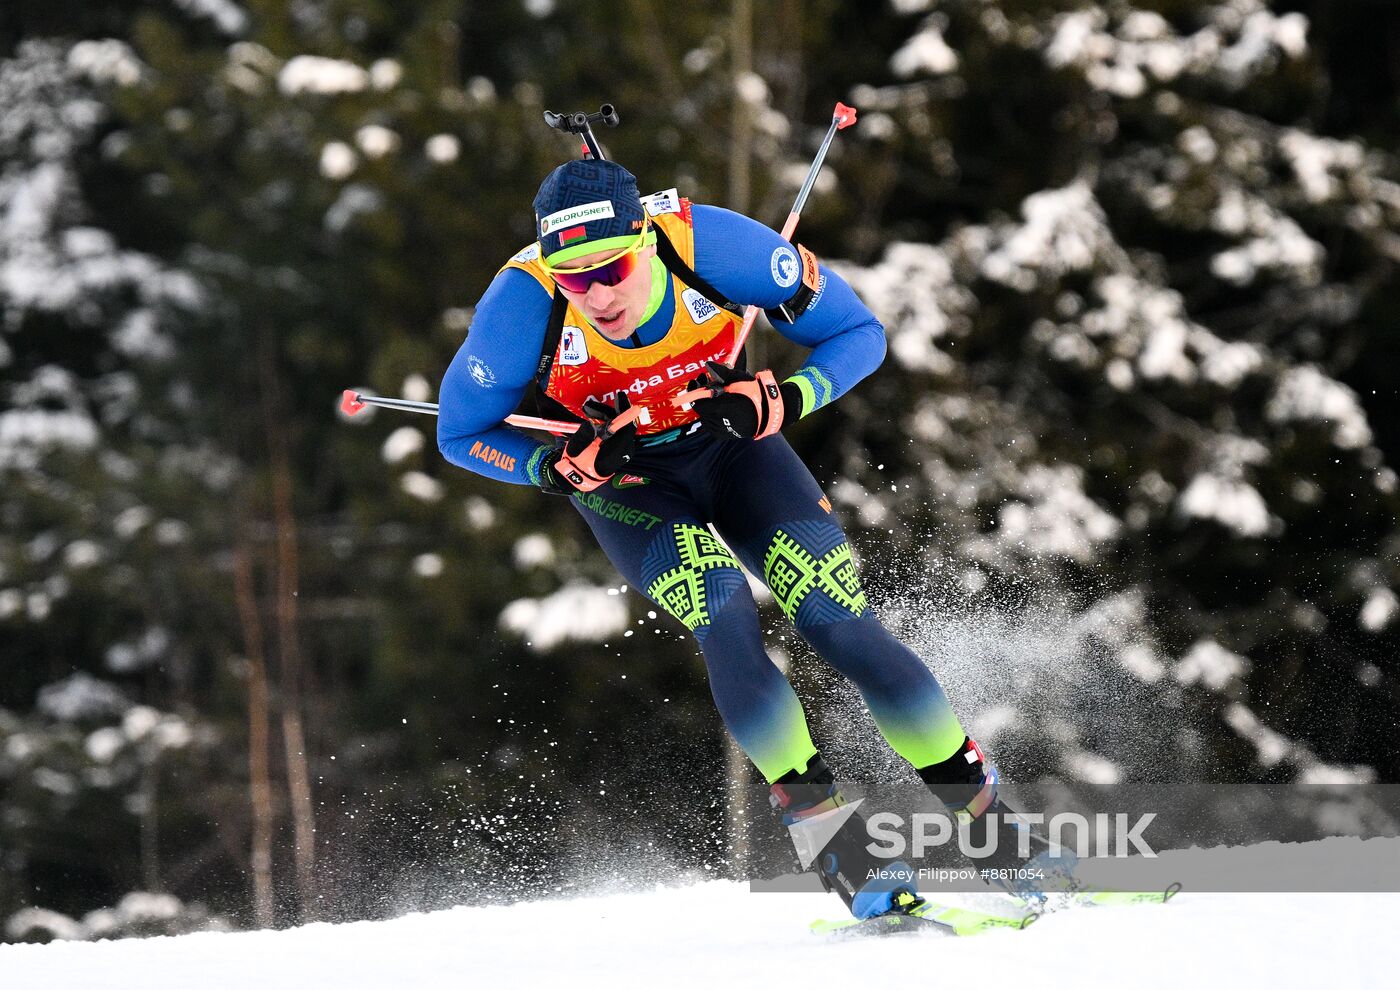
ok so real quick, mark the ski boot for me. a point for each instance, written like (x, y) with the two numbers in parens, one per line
(966, 783)
(830, 835)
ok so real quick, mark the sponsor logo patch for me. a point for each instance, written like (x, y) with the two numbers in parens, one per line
(601, 210)
(670, 374)
(609, 509)
(700, 308)
(491, 455)
(528, 254)
(666, 201)
(811, 274)
(630, 481)
(573, 349)
(481, 372)
(785, 267)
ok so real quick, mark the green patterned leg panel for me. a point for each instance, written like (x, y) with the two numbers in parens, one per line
(810, 571)
(691, 575)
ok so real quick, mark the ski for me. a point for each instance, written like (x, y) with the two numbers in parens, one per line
(930, 916)
(947, 919)
(1124, 898)
(1053, 902)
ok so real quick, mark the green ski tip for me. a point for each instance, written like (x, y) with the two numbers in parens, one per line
(1123, 898)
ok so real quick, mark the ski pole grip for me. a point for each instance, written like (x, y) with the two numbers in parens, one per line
(640, 413)
(844, 116)
(694, 395)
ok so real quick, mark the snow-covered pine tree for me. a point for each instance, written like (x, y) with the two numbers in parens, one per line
(1127, 280)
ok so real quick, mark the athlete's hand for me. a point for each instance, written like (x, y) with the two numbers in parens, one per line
(742, 405)
(594, 453)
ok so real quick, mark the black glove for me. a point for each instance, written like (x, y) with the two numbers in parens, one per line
(746, 406)
(594, 453)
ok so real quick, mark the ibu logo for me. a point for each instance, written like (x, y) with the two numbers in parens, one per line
(699, 308)
(573, 349)
(785, 267)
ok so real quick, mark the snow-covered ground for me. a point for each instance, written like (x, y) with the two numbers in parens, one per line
(720, 934)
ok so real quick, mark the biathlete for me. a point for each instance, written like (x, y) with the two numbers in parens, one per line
(629, 301)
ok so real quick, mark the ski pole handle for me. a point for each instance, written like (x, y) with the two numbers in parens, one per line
(686, 398)
(639, 413)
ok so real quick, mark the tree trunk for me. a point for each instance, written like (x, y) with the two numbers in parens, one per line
(259, 773)
(737, 825)
(288, 647)
(150, 824)
(741, 121)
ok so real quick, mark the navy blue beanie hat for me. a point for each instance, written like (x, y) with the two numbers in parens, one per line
(587, 205)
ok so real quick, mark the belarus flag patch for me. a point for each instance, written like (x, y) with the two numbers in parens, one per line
(572, 234)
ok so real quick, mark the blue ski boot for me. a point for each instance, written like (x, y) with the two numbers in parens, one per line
(966, 783)
(830, 835)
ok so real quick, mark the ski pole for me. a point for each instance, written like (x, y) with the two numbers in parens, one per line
(841, 118)
(352, 402)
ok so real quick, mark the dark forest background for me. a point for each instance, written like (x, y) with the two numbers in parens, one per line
(1126, 477)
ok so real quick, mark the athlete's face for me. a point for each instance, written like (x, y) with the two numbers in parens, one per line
(616, 310)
